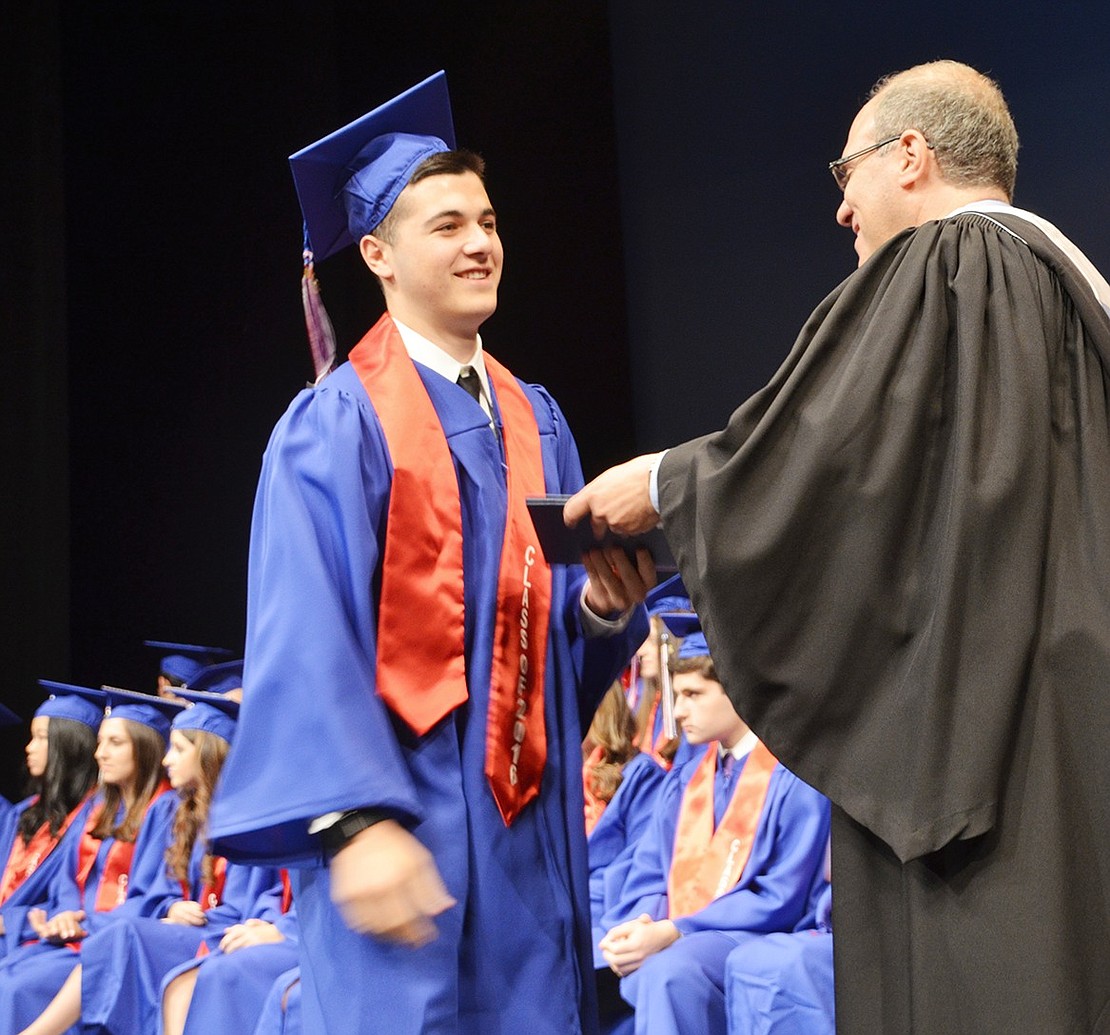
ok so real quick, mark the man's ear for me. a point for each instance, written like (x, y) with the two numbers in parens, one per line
(917, 156)
(375, 253)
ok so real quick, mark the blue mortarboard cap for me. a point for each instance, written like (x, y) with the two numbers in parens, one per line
(694, 646)
(66, 701)
(8, 717)
(210, 712)
(155, 712)
(669, 595)
(185, 660)
(348, 182)
(687, 625)
(219, 679)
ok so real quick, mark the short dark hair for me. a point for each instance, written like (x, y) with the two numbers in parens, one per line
(442, 163)
(701, 664)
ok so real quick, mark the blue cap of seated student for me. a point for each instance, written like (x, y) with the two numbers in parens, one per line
(155, 712)
(8, 717)
(219, 679)
(185, 660)
(210, 712)
(348, 181)
(687, 625)
(669, 595)
(65, 701)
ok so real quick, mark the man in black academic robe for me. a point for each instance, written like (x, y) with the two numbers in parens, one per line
(900, 550)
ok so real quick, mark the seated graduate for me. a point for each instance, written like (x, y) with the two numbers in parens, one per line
(195, 898)
(645, 690)
(782, 984)
(226, 990)
(736, 845)
(620, 784)
(182, 663)
(108, 871)
(62, 773)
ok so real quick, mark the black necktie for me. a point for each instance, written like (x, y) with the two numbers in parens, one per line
(468, 378)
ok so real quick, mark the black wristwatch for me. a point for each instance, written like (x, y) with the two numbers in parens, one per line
(335, 837)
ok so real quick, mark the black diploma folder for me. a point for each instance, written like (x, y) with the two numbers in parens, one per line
(562, 545)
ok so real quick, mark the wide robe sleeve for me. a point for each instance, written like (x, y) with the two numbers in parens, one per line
(876, 540)
(315, 735)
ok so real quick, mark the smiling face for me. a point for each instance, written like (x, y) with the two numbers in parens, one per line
(874, 207)
(115, 754)
(37, 750)
(442, 265)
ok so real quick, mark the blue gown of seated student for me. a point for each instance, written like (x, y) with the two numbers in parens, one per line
(31, 975)
(281, 1012)
(681, 989)
(231, 988)
(123, 965)
(615, 835)
(782, 984)
(514, 953)
(35, 889)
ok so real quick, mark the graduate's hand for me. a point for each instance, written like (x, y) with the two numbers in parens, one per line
(616, 584)
(64, 927)
(185, 912)
(250, 932)
(384, 883)
(618, 499)
(36, 918)
(627, 945)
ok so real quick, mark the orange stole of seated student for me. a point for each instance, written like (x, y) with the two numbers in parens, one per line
(25, 858)
(112, 889)
(212, 893)
(422, 677)
(707, 862)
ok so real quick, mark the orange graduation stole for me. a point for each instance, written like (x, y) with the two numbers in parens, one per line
(112, 888)
(707, 862)
(421, 669)
(25, 858)
(212, 894)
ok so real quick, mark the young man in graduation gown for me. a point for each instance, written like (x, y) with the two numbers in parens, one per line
(927, 481)
(736, 848)
(416, 676)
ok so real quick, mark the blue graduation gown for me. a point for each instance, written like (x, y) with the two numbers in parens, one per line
(616, 834)
(315, 737)
(281, 1013)
(31, 975)
(782, 984)
(231, 988)
(681, 989)
(122, 966)
(33, 892)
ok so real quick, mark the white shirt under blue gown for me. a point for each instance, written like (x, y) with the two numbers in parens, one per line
(31, 975)
(33, 892)
(122, 966)
(314, 737)
(681, 989)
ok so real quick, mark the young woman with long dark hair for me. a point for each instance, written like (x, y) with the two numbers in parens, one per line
(62, 773)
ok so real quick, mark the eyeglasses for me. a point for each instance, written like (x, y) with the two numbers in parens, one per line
(839, 167)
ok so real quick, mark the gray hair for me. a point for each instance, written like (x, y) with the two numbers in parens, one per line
(960, 112)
